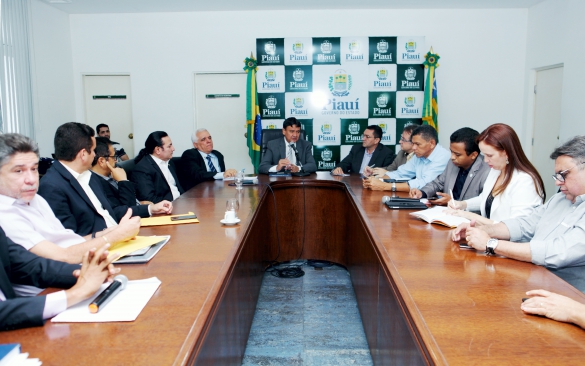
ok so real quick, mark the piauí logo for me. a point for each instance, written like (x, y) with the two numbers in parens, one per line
(410, 46)
(326, 155)
(270, 75)
(382, 74)
(384, 127)
(271, 102)
(298, 102)
(409, 100)
(326, 46)
(354, 47)
(354, 128)
(297, 47)
(340, 83)
(298, 75)
(271, 127)
(382, 46)
(270, 48)
(410, 74)
(382, 101)
(326, 128)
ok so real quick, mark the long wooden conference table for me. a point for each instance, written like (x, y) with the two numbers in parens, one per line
(422, 299)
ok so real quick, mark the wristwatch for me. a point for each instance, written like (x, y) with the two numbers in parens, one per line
(393, 186)
(491, 246)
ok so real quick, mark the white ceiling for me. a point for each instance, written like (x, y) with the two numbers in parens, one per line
(158, 6)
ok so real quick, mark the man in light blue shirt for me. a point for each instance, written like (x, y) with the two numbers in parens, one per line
(429, 161)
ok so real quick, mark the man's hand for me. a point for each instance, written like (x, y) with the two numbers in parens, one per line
(339, 171)
(162, 208)
(283, 163)
(230, 173)
(377, 172)
(117, 173)
(376, 184)
(294, 168)
(415, 193)
(127, 228)
(476, 237)
(95, 270)
(443, 200)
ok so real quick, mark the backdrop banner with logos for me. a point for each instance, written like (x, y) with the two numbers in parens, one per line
(337, 86)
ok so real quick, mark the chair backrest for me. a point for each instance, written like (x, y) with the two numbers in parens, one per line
(128, 166)
(272, 134)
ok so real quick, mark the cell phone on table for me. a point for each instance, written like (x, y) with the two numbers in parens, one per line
(183, 217)
(465, 246)
(433, 198)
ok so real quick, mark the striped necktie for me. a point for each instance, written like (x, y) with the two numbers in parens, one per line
(210, 164)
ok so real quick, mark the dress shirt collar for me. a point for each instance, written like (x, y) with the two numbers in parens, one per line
(435, 154)
(8, 201)
(80, 177)
(287, 144)
(204, 155)
(159, 161)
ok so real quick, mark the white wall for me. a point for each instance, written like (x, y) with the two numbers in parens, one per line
(556, 36)
(481, 79)
(52, 72)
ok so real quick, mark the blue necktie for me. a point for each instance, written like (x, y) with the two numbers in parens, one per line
(210, 164)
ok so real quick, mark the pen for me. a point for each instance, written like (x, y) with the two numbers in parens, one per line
(452, 199)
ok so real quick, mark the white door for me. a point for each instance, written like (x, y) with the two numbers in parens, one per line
(108, 100)
(224, 116)
(547, 124)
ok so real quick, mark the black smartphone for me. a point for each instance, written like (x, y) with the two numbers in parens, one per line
(183, 217)
(433, 198)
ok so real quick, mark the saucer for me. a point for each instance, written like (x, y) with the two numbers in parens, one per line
(229, 222)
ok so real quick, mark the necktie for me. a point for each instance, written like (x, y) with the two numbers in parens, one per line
(210, 164)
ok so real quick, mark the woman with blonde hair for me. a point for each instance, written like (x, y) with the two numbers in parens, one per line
(513, 185)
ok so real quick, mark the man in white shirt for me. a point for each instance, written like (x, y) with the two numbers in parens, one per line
(202, 162)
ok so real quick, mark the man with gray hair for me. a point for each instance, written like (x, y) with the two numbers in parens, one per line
(553, 234)
(27, 218)
(202, 162)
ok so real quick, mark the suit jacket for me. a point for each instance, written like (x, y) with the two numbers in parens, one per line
(472, 187)
(276, 150)
(151, 184)
(122, 198)
(18, 265)
(518, 199)
(399, 160)
(194, 168)
(71, 204)
(381, 157)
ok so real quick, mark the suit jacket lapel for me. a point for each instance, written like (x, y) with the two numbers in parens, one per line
(74, 183)
(472, 173)
(99, 193)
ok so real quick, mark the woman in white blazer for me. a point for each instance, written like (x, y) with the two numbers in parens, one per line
(513, 185)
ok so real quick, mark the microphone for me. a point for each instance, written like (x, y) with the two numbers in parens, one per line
(108, 294)
(385, 199)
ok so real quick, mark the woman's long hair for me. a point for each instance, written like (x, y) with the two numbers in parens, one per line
(153, 141)
(503, 138)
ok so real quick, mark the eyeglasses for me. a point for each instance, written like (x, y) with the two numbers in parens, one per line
(108, 156)
(403, 139)
(364, 136)
(561, 176)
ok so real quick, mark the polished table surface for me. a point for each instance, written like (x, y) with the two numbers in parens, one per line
(463, 305)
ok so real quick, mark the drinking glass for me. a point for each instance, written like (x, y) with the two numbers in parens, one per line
(232, 205)
(239, 179)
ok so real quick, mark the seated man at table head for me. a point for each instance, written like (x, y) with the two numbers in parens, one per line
(27, 218)
(281, 155)
(429, 161)
(551, 235)
(155, 174)
(115, 184)
(465, 173)
(404, 155)
(25, 268)
(103, 130)
(202, 162)
(73, 192)
(370, 153)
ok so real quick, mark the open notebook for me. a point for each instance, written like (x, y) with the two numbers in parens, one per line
(436, 215)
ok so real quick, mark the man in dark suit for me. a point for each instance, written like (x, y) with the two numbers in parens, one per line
(370, 153)
(19, 266)
(280, 154)
(155, 174)
(202, 162)
(73, 192)
(115, 184)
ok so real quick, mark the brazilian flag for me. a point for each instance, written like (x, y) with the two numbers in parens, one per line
(430, 115)
(254, 123)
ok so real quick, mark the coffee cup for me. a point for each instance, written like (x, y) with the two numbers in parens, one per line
(230, 216)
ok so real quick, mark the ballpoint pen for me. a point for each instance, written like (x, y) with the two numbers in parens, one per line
(452, 199)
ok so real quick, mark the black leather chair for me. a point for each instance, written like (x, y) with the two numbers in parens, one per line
(128, 166)
(272, 134)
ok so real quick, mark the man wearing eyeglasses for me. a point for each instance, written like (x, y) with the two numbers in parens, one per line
(370, 153)
(553, 234)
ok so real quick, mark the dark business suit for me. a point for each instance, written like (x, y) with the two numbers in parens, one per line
(71, 204)
(194, 168)
(352, 163)
(276, 150)
(122, 198)
(19, 266)
(472, 187)
(151, 184)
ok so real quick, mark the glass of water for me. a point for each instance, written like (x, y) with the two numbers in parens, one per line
(239, 179)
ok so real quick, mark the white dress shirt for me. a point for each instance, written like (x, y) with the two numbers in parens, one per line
(164, 167)
(290, 155)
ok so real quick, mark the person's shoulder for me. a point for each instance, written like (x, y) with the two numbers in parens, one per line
(276, 142)
(192, 152)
